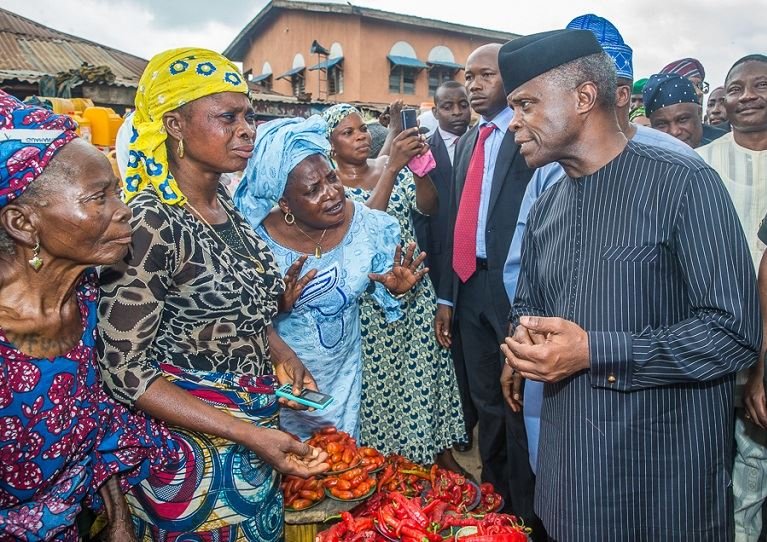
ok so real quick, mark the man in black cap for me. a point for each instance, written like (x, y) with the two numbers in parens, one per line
(636, 305)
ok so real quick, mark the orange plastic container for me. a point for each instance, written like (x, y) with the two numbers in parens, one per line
(104, 125)
(84, 129)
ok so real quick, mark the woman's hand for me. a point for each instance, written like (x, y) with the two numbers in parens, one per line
(292, 371)
(294, 285)
(404, 274)
(406, 145)
(289, 369)
(288, 455)
(395, 117)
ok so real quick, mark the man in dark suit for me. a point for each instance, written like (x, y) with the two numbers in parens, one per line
(489, 180)
(453, 113)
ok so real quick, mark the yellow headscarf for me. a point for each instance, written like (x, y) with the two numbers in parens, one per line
(170, 80)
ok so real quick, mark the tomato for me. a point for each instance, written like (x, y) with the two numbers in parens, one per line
(345, 495)
(339, 466)
(352, 474)
(336, 457)
(328, 430)
(348, 456)
(343, 485)
(334, 448)
(364, 487)
(359, 492)
(300, 504)
(331, 482)
(311, 495)
(357, 480)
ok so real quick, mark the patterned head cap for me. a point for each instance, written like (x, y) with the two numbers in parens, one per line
(170, 80)
(664, 89)
(610, 40)
(336, 114)
(686, 67)
(30, 136)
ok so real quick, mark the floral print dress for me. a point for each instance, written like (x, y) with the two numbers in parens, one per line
(410, 402)
(61, 437)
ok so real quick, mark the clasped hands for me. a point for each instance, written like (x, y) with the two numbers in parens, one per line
(541, 348)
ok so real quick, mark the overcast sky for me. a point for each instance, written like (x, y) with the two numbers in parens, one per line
(717, 32)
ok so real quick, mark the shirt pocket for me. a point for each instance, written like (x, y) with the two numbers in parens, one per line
(639, 254)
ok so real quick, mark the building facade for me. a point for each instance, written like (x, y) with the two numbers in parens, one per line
(344, 53)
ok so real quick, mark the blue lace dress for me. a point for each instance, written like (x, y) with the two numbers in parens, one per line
(323, 328)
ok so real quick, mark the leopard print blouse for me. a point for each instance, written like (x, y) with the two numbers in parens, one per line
(183, 297)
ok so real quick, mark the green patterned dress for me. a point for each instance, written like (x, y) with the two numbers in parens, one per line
(410, 401)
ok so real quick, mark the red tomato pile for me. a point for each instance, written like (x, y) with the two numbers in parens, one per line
(341, 448)
(350, 485)
(300, 494)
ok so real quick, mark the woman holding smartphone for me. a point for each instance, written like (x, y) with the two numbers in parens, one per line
(410, 402)
(348, 248)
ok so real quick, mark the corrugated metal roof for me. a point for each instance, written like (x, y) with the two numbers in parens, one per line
(27, 48)
(242, 43)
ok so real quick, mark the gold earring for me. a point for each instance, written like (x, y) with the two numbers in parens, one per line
(36, 262)
(180, 149)
(289, 218)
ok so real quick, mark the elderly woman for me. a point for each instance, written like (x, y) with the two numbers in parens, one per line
(186, 332)
(294, 198)
(410, 401)
(63, 441)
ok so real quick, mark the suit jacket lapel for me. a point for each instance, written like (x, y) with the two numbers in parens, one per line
(506, 156)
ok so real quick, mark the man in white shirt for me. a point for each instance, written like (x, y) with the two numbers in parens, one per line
(740, 159)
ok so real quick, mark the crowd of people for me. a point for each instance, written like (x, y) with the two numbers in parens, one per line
(586, 302)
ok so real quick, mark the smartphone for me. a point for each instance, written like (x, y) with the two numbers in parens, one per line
(409, 118)
(310, 398)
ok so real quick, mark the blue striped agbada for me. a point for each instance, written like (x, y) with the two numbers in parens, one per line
(648, 256)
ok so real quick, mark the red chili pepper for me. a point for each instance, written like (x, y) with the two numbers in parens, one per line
(457, 521)
(411, 509)
(438, 512)
(387, 521)
(455, 495)
(419, 534)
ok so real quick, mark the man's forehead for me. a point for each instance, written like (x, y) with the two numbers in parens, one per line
(451, 93)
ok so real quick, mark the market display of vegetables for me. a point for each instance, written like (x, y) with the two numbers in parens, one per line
(400, 500)
(350, 485)
(392, 516)
(300, 493)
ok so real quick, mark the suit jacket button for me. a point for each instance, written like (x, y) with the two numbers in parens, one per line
(611, 379)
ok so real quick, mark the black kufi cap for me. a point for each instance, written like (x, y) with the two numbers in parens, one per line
(525, 58)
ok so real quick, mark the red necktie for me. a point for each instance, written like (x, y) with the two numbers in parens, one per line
(465, 233)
